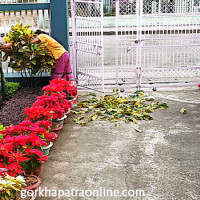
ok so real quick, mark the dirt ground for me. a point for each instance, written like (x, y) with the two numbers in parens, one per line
(163, 160)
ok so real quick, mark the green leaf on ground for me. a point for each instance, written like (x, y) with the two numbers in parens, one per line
(82, 105)
(78, 119)
(92, 117)
(183, 111)
(106, 118)
(82, 123)
(163, 106)
(118, 124)
(78, 112)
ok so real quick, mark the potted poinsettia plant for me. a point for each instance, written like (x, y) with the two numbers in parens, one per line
(39, 113)
(41, 129)
(23, 152)
(11, 155)
(55, 99)
(35, 163)
(69, 87)
(28, 127)
(31, 60)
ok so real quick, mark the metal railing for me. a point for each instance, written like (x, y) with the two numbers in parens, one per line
(23, 1)
(152, 6)
(36, 14)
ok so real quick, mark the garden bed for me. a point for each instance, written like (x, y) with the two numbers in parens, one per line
(12, 111)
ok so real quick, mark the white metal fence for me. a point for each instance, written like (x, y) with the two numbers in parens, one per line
(157, 44)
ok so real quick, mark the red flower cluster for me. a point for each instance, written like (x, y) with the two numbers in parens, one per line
(21, 145)
(38, 113)
(19, 151)
(62, 86)
(28, 128)
(54, 100)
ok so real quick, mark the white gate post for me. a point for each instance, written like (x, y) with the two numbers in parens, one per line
(74, 39)
(139, 12)
(117, 41)
(159, 7)
(102, 43)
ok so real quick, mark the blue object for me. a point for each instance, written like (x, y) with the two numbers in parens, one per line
(59, 22)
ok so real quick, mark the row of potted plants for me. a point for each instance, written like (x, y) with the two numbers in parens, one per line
(24, 147)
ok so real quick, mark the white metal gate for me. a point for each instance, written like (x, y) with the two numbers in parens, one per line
(87, 30)
(158, 42)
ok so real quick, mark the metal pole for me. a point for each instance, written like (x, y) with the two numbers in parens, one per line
(159, 7)
(102, 56)
(74, 40)
(136, 42)
(117, 42)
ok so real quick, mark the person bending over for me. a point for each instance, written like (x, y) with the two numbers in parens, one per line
(62, 57)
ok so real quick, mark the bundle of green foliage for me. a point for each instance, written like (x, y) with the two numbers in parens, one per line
(31, 60)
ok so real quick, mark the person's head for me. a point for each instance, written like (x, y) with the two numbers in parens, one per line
(38, 32)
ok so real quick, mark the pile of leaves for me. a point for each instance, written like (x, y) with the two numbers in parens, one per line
(114, 108)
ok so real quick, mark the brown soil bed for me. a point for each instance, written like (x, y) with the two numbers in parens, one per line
(12, 111)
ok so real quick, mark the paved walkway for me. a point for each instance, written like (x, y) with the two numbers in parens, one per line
(163, 160)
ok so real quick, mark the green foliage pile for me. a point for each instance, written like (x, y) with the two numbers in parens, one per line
(114, 108)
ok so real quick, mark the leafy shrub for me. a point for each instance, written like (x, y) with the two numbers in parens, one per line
(11, 89)
(29, 59)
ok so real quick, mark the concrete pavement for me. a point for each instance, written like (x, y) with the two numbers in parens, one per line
(163, 160)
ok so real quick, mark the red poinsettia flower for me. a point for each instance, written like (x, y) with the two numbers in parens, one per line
(42, 159)
(31, 151)
(19, 157)
(69, 87)
(44, 124)
(38, 113)
(53, 88)
(35, 140)
(14, 169)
